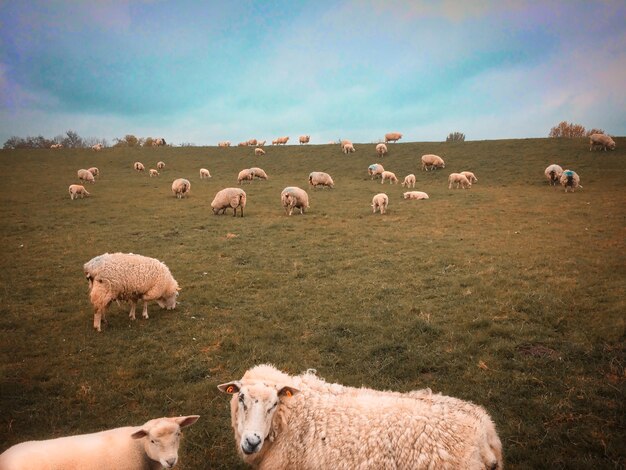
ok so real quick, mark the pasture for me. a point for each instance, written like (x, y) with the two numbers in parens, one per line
(510, 294)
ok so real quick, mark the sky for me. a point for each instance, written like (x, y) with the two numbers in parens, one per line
(204, 71)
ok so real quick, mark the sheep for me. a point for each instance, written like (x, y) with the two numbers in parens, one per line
(292, 198)
(553, 174)
(375, 169)
(304, 139)
(245, 175)
(229, 197)
(602, 140)
(282, 421)
(381, 150)
(459, 181)
(94, 171)
(153, 445)
(252, 142)
(158, 142)
(128, 277)
(275, 142)
(380, 203)
(348, 148)
(153, 172)
(415, 195)
(261, 143)
(242, 144)
(392, 137)
(97, 147)
(470, 176)
(258, 173)
(224, 143)
(259, 151)
(388, 175)
(160, 165)
(56, 146)
(281, 140)
(409, 181)
(344, 142)
(76, 190)
(181, 188)
(204, 173)
(570, 180)
(139, 166)
(319, 178)
(432, 161)
(85, 175)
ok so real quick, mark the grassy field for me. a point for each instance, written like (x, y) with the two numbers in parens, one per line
(510, 294)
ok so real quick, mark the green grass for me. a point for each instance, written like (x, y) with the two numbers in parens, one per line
(512, 274)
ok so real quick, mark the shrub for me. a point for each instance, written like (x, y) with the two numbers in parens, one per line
(455, 137)
(568, 130)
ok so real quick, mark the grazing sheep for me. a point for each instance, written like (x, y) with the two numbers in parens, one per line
(392, 137)
(153, 445)
(380, 203)
(97, 147)
(375, 169)
(94, 171)
(85, 175)
(381, 150)
(242, 144)
(56, 146)
(319, 178)
(602, 140)
(388, 175)
(128, 277)
(259, 173)
(432, 161)
(570, 180)
(204, 173)
(283, 140)
(76, 190)
(470, 176)
(158, 142)
(181, 188)
(415, 195)
(282, 421)
(553, 174)
(275, 142)
(305, 139)
(160, 165)
(224, 143)
(292, 198)
(259, 151)
(348, 148)
(245, 175)
(252, 142)
(153, 172)
(139, 166)
(409, 181)
(229, 197)
(459, 181)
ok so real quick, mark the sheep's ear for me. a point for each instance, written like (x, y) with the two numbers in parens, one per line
(230, 387)
(287, 391)
(139, 434)
(184, 421)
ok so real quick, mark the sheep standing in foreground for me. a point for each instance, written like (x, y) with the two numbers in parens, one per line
(76, 190)
(381, 150)
(409, 181)
(388, 175)
(553, 174)
(259, 151)
(375, 169)
(415, 195)
(380, 203)
(458, 181)
(432, 162)
(282, 421)
(128, 277)
(181, 188)
(152, 446)
(153, 172)
(602, 140)
(94, 171)
(139, 166)
(259, 173)
(392, 137)
(292, 198)
(570, 180)
(204, 173)
(304, 139)
(470, 176)
(160, 165)
(85, 175)
(319, 178)
(229, 197)
(245, 175)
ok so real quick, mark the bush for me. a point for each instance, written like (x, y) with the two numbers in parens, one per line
(455, 137)
(568, 130)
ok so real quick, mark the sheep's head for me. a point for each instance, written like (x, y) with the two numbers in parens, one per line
(168, 301)
(253, 407)
(162, 438)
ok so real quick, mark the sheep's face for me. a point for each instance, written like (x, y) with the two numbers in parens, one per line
(168, 302)
(162, 438)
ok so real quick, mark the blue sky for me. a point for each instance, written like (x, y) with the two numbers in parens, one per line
(205, 71)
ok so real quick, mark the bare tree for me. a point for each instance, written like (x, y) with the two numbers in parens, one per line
(455, 137)
(568, 130)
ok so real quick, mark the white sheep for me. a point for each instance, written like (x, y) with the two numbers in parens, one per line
(204, 173)
(380, 203)
(458, 181)
(602, 140)
(430, 161)
(348, 148)
(158, 141)
(282, 421)
(392, 137)
(153, 445)
(245, 175)
(56, 146)
(470, 176)
(97, 147)
(292, 198)
(553, 174)
(160, 165)
(375, 169)
(259, 173)
(94, 171)
(259, 151)
(381, 150)
(388, 175)
(409, 181)
(224, 143)
(85, 175)
(570, 180)
(181, 188)
(344, 142)
(139, 166)
(153, 172)
(242, 144)
(252, 142)
(76, 190)
(319, 178)
(280, 141)
(229, 197)
(305, 139)
(128, 277)
(415, 195)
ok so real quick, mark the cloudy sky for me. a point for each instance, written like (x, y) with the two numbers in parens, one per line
(204, 71)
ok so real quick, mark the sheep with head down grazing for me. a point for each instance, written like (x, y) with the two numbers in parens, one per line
(432, 162)
(259, 151)
(553, 174)
(292, 198)
(392, 137)
(229, 197)
(601, 140)
(153, 172)
(388, 175)
(470, 176)
(409, 181)
(76, 190)
(204, 173)
(570, 180)
(380, 203)
(139, 166)
(85, 175)
(259, 173)
(381, 150)
(458, 181)
(181, 187)
(245, 175)
(320, 178)
(375, 169)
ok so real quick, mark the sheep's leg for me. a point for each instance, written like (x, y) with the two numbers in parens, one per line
(144, 314)
(97, 318)
(241, 211)
(133, 305)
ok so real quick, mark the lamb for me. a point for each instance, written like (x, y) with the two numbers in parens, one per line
(128, 277)
(375, 169)
(139, 166)
(153, 445)
(85, 175)
(305, 139)
(282, 421)
(570, 180)
(259, 151)
(381, 150)
(470, 176)
(602, 140)
(415, 195)
(348, 148)
(459, 181)
(245, 175)
(160, 165)
(94, 171)
(229, 197)
(380, 203)
(76, 190)
(432, 161)
(388, 175)
(97, 147)
(224, 143)
(409, 181)
(392, 137)
(153, 172)
(181, 188)
(553, 174)
(292, 198)
(204, 173)
(319, 178)
(259, 173)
